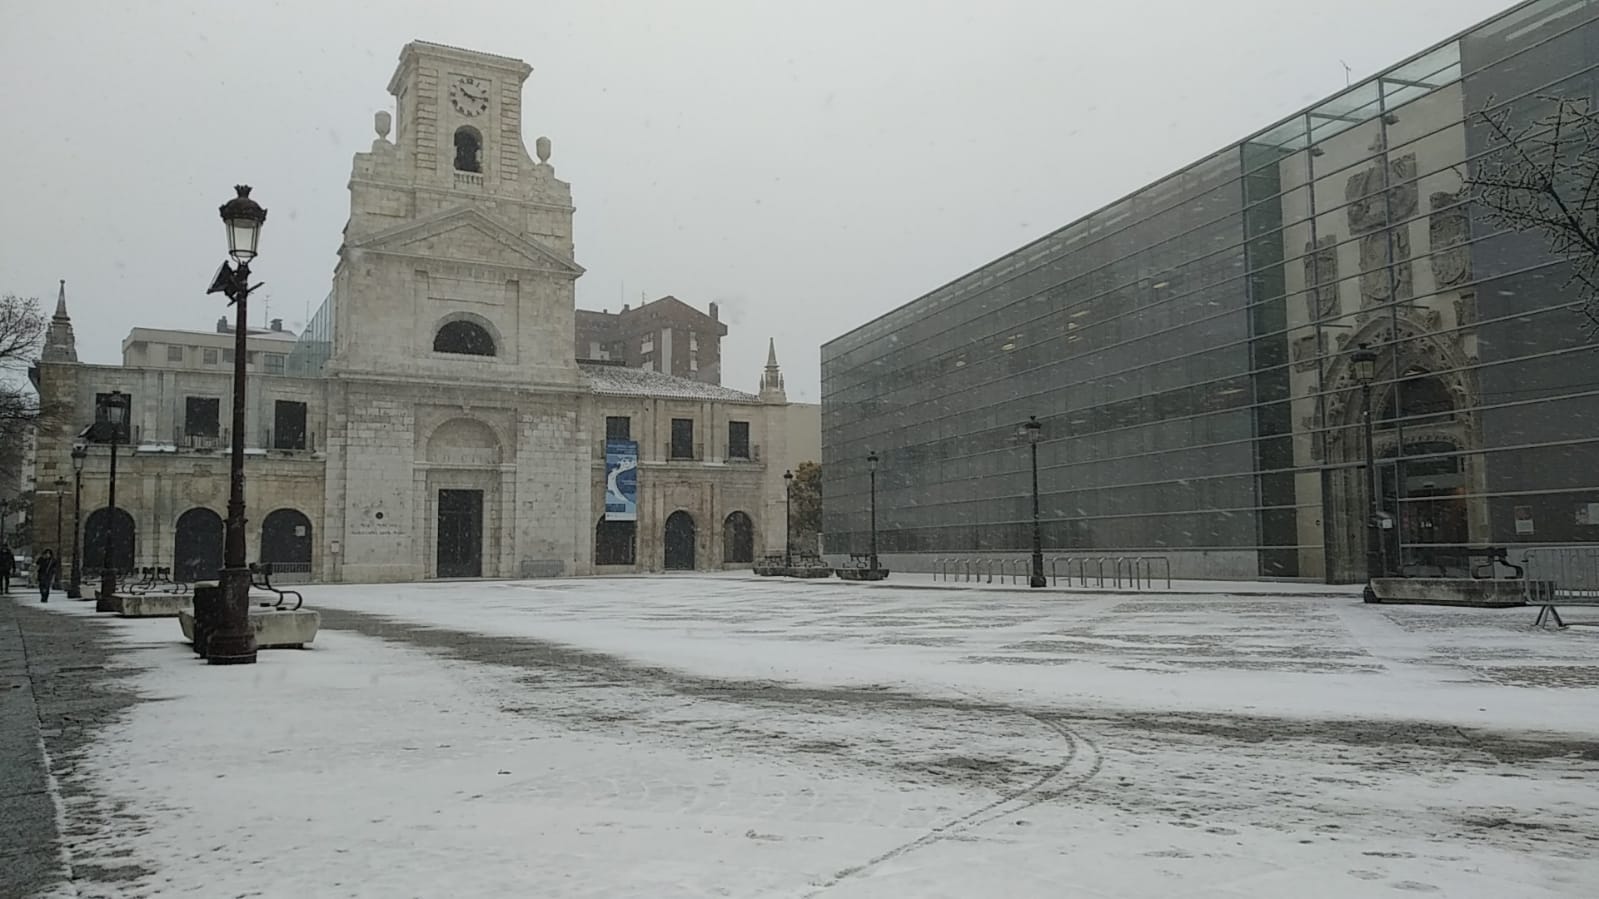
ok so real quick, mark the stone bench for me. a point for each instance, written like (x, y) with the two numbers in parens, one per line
(1484, 593)
(274, 628)
(152, 605)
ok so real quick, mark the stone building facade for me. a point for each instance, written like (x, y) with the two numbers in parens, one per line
(434, 421)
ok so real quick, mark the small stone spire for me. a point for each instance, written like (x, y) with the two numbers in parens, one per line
(772, 378)
(59, 344)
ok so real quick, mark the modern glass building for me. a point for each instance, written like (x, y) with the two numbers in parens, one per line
(1188, 350)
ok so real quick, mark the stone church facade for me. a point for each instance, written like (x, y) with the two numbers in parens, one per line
(433, 420)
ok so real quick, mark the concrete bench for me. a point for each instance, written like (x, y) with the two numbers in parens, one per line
(274, 628)
(1485, 593)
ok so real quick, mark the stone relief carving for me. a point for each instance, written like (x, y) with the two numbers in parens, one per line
(1449, 228)
(1305, 351)
(1364, 194)
(1375, 286)
(1321, 277)
(1466, 310)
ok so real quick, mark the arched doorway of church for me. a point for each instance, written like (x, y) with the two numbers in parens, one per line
(680, 534)
(94, 533)
(197, 547)
(286, 541)
(738, 538)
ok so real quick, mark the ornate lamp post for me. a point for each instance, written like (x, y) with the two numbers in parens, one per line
(233, 640)
(80, 452)
(1035, 430)
(1363, 365)
(871, 463)
(61, 495)
(115, 417)
(788, 519)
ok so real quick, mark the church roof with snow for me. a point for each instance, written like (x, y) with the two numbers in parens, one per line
(619, 380)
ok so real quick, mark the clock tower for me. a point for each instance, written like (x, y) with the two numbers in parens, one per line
(455, 446)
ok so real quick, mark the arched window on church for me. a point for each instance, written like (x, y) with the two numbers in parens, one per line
(464, 338)
(468, 149)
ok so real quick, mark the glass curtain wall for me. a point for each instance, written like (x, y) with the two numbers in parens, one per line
(1187, 350)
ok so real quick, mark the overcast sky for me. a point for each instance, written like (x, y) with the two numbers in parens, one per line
(809, 165)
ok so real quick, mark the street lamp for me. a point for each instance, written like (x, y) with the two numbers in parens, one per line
(871, 463)
(61, 495)
(788, 519)
(232, 642)
(115, 414)
(1363, 365)
(80, 452)
(1035, 430)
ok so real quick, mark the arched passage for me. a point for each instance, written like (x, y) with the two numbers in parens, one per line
(94, 534)
(197, 547)
(286, 539)
(680, 535)
(468, 149)
(615, 542)
(738, 538)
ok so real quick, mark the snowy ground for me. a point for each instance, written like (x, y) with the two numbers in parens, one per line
(724, 736)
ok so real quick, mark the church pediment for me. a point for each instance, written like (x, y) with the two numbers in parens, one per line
(468, 235)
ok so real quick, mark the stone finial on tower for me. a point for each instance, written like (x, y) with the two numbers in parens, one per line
(382, 121)
(772, 378)
(59, 344)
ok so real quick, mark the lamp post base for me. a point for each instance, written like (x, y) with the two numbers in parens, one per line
(233, 641)
(106, 600)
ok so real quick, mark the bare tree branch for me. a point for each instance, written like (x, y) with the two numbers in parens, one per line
(1544, 177)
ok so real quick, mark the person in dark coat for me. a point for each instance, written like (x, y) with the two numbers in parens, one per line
(8, 564)
(47, 573)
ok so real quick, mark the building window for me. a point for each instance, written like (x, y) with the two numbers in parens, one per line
(202, 416)
(618, 427)
(274, 363)
(463, 338)
(174, 353)
(738, 440)
(288, 425)
(682, 438)
(468, 149)
(208, 356)
(647, 344)
(102, 417)
(249, 358)
(227, 357)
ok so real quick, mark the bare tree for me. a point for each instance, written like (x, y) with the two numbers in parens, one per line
(22, 328)
(1544, 177)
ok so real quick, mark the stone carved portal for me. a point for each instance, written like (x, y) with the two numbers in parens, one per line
(1382, 193)
(1425, 434)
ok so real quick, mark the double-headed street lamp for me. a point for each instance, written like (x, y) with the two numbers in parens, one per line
(114, 417)
(1363, 366)
(788, 519)
(1035, 430)
(232, 641)
(871, 464)
(80, 452)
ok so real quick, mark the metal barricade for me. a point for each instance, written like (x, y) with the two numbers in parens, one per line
(1574, 571)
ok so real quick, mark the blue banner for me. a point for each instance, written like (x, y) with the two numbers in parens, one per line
(621, 480)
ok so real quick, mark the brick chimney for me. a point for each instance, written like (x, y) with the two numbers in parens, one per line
(222, 326)
(716, 313)
(277, 324)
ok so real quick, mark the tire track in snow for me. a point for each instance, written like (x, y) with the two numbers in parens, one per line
(1082, 761)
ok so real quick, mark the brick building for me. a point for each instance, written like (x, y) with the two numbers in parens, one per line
(667, 335)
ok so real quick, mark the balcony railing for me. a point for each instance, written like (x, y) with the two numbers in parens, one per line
(680, 453)
(468, 179)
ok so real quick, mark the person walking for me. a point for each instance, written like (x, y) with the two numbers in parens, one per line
(47, 573)
(8, 564)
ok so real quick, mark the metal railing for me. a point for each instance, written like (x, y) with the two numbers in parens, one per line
(292, 572)
(1563, 572)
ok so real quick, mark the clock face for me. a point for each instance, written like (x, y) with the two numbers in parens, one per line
(469, 96)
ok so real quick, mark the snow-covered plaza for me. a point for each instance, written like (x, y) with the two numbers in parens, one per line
(731, 736)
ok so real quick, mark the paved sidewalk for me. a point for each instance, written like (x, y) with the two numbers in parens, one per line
(56, 690)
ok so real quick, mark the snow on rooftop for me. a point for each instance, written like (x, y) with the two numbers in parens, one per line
(617, 380)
